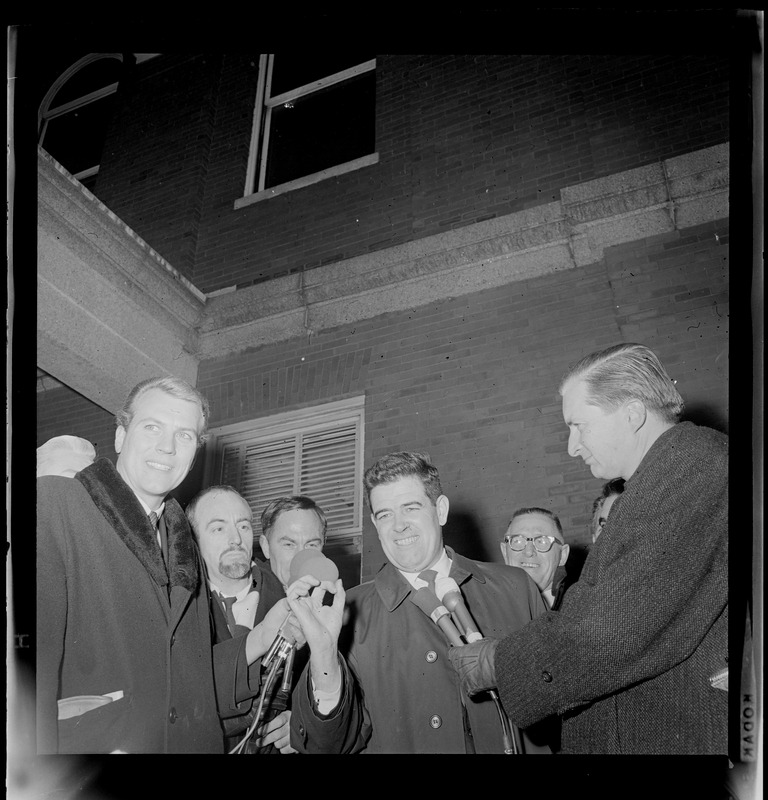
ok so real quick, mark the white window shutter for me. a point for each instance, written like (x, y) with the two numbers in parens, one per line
(316, 452)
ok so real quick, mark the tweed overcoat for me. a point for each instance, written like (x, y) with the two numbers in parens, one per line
(405, 696)
(628, 657)
(110, 620)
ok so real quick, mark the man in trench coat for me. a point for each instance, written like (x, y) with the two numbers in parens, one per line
(398, 693)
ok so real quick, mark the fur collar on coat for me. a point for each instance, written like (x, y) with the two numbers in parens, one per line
(125, 514)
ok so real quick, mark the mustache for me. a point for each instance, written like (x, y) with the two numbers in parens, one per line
(236, 550)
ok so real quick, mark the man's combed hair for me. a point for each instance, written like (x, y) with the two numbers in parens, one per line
(536, 510)
(625, 372)
(279, 506)
(394, 466)
(176, 387)
(191, 507)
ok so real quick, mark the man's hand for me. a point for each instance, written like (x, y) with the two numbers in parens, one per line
(278, 618)
(278, 732)
(321, 626)
(475, 664)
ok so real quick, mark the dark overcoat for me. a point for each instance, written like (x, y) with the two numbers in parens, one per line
(629, 656)
(238, 684)
(109, 619)
(406, 696)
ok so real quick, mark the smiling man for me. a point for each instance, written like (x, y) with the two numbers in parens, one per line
(123, 654)
(534, 542)
(637, 656)
(400, 694)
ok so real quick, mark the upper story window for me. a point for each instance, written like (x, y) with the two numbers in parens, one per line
(75, 113)
(314, 118)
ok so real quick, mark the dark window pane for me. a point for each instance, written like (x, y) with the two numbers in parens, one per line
(292, 71)
(324, 129)
(76, 139)
(96, 75)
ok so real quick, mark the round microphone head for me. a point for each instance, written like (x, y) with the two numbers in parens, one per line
(313, 562)
(445, 585)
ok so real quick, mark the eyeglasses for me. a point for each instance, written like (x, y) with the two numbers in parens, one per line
(542, 543)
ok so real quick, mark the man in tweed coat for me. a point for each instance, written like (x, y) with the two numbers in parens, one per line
(635, 660)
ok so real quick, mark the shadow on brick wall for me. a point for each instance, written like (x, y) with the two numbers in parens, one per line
(463, 534)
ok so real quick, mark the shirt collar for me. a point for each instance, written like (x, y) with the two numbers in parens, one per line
(148, 510)
(442, 567)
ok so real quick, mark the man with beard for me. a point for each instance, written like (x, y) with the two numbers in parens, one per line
(242, 591)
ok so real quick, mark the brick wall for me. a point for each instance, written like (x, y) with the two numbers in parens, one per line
(473, 380)
(63, 411)
(154, 165)
(461, 138)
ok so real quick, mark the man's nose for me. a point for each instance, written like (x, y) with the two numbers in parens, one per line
(401, 523)
(167, 442)
(529, 548)
(574, 442)
(234, 536)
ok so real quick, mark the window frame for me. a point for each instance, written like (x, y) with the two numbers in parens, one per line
(46, 113)
(259, 146)
(304, 420)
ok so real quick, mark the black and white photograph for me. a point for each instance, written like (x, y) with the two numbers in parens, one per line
(383, 402)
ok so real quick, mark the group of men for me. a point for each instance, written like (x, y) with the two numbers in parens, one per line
(153, 624)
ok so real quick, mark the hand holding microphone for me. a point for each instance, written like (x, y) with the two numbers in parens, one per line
(309, 569)
(320, 624)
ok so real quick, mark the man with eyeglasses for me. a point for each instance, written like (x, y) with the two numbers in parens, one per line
(534, 542)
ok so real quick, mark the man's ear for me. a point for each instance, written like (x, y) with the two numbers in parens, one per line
(264, 544)
(564, 550)
(636, 414)
(119, 437)
(442, 505)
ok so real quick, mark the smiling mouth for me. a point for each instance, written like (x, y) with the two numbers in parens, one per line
(157, 465)
(529, 564)
(406, 542)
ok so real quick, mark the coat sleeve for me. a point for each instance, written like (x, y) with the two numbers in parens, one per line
(658, 583)
(51, 611)
(344, 730)
(237, 683)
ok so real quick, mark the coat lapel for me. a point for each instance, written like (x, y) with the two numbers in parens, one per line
(125, 515)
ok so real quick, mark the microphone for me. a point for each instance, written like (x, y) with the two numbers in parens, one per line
(306, 562)
(439, 614)
(449, 593)
(312, 562)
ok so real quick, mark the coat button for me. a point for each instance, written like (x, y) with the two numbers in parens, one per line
(431, 656)
(547, 676)
(435, 721)
(172, 716)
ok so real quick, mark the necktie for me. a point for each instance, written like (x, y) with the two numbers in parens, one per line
(158, 527)
(228, 602)
(428, 576)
